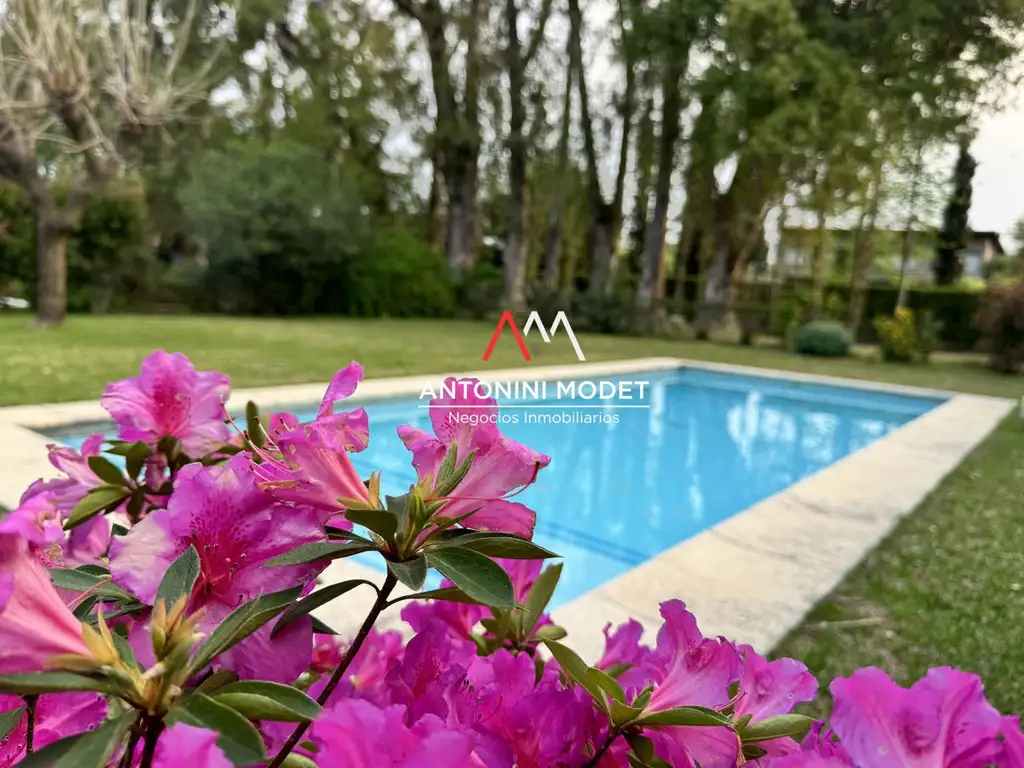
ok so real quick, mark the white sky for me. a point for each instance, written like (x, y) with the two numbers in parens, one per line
(998, 198)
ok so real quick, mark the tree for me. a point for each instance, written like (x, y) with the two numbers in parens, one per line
(516, 62)
(80, 80)
(953, 235)
(456, 136)
(605, 216)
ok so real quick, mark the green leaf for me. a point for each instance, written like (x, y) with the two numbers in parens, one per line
(607, 684)
(455, 477)
(322, 629)
(399, 506)
(623, 714)
(794, 726)
(98, 499)
(447, 468)
(295, 760)
(380, 521)
(321, 550)
(52, 753)
(241, 623)
(136, 456)
(540, 595)
(216, 681)
(9, 720)
(412, 573)
(79, 580)
(95, 748)
(239, 739)
(321, 597)
(577, 671)
(477, 575)
(696, 716)
(253, 427)
(106, 471)
(503, 545)
(259, 700)
(642, 747)
(342, 534)
(179, 579)
(52, 682)
(451, 594)
(550, 632)
(125, 651)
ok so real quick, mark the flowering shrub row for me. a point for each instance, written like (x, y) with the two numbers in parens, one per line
(156, 610)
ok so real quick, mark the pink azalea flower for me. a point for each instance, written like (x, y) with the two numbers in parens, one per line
(623, 646)
(365, 676)
(311, 471)
(347, 430)
(170, 398)
(87, 542)
(544, 724)
(689, 669)
(819, 749)
(357, 734)
(35, 625)
(458, 618)
(185, 745)
(235, 528)
(434, 664)
(37, 520)
(58, 716)
(1013, 743)
(942, 721)
(770, 688)
(500, 465)
(308, 465)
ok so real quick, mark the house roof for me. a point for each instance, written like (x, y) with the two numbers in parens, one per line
(975, 235)
(993, 236)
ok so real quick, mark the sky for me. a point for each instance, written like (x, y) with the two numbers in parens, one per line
(998, 199)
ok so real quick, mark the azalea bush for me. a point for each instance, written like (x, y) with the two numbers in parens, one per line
(157, 600)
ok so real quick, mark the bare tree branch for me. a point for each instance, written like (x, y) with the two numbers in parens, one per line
(538, 34)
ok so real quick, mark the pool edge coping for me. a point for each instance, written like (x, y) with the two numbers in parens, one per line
(767, 545)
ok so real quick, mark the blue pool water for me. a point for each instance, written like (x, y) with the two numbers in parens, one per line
(709, 446)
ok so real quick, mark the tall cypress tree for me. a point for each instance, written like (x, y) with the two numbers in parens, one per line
(953, 236)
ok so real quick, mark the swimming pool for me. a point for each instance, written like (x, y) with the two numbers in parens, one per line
(703, 446)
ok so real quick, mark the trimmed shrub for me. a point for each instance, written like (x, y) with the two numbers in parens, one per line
(897, 336)
(1001, 320)
(823, 338)
(479, 290)
(400, 276)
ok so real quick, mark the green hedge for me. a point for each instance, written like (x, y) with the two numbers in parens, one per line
(954, 308)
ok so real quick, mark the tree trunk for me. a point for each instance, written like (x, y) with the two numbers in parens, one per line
(908, 232)
(52, 266)
(863, 255)
(460, 237)
(819, 264)
(644, 160)
(514, 256)
(553, 244)
(650, 288)
(604, 216)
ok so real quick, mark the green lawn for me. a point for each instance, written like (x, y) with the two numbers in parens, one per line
(76, 361)
(947, 587)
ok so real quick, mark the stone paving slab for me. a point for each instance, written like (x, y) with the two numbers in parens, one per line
(752, 577)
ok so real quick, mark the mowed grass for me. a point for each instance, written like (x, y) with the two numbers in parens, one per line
(76, 361)
(945, 588)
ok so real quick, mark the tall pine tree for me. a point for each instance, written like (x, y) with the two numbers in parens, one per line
(953, 236)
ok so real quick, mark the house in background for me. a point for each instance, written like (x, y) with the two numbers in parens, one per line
(798, 246)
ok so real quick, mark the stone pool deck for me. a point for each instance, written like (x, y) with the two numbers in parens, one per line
(752, 577)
